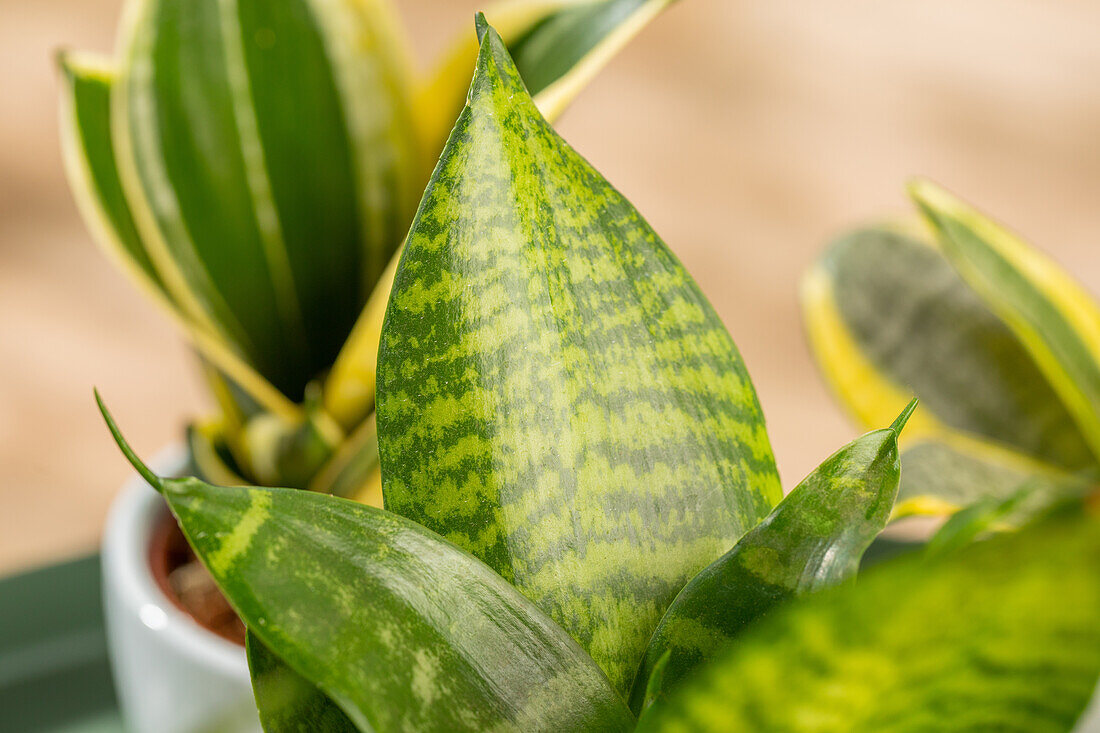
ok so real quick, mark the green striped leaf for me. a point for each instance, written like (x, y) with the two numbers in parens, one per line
(90, 164)
(555, 393)
(88, 150)
(888, 317)
(1002, 635)
(814, 538)
(268, 153)
(1046, 309)
(397, 626)
(941, 476)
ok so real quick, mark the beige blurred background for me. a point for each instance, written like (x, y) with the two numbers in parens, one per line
(748, 133)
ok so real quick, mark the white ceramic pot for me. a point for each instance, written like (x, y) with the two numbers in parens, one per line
(172, 675)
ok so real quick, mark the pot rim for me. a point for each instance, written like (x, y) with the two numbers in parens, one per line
(125, 551)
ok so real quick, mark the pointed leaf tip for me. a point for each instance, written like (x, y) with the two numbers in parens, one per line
(903, 418)
(932, 199)
(494, 54)
(61, 60)
(481, 25)
(656, 679)
(131, 456)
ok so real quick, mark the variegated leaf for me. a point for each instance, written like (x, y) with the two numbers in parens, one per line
(90, 165)
(555, 393)
(397, 626)
(888, 317)
(1051, 315)
(88, 149)
(285, 453)
(1001, 635)
(560, 46)
(273, 179)
(814, 538)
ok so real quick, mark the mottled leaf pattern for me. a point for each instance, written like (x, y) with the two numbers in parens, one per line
(563, 44)
(814, 538)
(400, 628)
(555, 393)
(1003, 635)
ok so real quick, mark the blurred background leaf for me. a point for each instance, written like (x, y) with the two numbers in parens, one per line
(802, 118)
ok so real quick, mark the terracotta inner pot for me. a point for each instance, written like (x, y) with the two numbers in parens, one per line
(187, 583)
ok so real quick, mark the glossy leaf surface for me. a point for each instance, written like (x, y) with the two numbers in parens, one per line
(888, 316)
(814, 538)
(400, 628)
(561, 45)
(1003, 635)
(1046, 309)
(276, 175)
(286, 701)
(595, 437)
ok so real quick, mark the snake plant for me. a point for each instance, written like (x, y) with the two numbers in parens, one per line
(583, 528)
(999, 343)
(253, 166)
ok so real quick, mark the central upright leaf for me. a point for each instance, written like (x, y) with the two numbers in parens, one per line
(555, 393)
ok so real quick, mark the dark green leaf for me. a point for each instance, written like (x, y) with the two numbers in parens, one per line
(400, 628)
(1002, 635)
(270, 148)
(556, 395)
(814, 538)
(287, 702)
(655, 684)
(88, 85)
